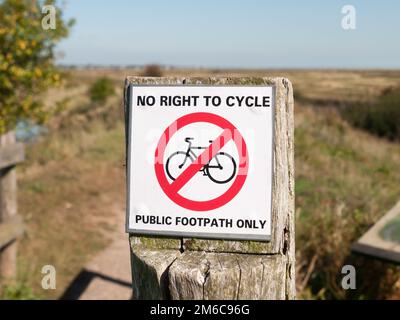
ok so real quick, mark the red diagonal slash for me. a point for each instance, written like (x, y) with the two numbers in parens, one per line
(201, 160)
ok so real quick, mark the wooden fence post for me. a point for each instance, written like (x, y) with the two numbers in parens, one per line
(179, 268)
(11, 153)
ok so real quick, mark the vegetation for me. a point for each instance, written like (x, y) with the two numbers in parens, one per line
(381, 117)
(345, 181)
(101, 90)
(26, 60)
(73, 177)
(18, 291)
(152, 70)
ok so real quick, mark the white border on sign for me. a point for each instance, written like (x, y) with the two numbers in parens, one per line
(179, 234)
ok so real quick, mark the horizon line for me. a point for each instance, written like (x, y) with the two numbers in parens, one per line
(171, 66)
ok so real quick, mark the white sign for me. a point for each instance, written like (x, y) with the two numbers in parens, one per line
(200, 161)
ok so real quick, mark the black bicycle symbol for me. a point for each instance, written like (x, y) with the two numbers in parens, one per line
(220, 169)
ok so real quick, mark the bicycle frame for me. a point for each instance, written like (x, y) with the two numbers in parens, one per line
(190, 153)
(205, 168)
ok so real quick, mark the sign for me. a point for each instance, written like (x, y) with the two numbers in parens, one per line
(211, 162)
(382, 240)
(200, 161)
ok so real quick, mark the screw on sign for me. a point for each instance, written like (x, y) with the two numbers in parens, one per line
(210, 162)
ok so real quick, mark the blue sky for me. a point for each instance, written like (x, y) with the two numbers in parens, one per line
(222, 33)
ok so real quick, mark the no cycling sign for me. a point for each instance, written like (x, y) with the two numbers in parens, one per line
(200, 161)
(220, 167)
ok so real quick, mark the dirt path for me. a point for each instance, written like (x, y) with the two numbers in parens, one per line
(108, 275)
(72, 198)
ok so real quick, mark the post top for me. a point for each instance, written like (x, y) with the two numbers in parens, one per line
(208, 81)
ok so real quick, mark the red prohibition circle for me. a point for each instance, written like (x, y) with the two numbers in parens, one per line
(241, 176)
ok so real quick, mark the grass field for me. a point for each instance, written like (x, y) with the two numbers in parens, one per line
(71, 188)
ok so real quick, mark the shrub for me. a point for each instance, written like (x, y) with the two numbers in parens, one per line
(381, 118)
(18, 291)
(101, 90)
(152, 70)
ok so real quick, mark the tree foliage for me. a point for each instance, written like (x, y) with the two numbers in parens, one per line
(26, 60)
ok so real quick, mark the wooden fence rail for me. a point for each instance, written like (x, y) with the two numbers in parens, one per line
(11, 153)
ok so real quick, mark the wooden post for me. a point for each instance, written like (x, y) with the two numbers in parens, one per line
(10, 225)
(179, 268)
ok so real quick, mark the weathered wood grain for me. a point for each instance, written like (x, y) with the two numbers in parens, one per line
(150, 271)
(187, 276)
(211, 276)
(150, 242)
(11, 155)
(8, 208)
(9, 231)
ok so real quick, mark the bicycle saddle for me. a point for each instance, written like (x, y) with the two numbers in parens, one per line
(188, 139)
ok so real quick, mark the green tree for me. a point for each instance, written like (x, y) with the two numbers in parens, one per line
(26, 60)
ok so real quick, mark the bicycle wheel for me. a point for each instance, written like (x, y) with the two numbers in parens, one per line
(177, 163)
(224, 174)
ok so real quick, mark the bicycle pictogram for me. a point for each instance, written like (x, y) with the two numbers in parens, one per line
(220, 169)
(174, 170)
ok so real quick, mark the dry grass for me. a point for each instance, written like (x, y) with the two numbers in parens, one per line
(71, 187)
(345, 180)
(320, 85)
(71, 195)
(72, 184)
